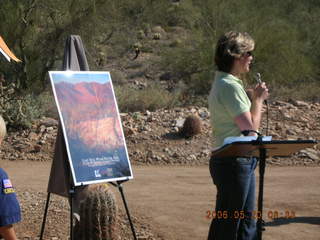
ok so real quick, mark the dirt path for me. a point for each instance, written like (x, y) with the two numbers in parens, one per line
(175, 200)
(178, 198)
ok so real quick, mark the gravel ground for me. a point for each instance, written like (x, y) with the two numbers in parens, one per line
(58, 218)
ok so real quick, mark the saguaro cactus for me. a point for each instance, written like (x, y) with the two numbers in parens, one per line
(98, 214)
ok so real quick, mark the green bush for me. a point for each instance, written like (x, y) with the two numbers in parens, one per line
(287, 42)
(286, 33)
(20, 112)
(150, 98)
(46, 104)
(302, 91)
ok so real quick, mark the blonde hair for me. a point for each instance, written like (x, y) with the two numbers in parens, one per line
(230, 46)
(3, 128)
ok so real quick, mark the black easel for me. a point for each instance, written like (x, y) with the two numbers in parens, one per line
(74, 59)
(119, 186)
(262, 149)
(45, 216)
(71, 196)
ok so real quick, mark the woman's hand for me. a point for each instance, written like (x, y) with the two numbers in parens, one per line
(251, 120)
(260, 92)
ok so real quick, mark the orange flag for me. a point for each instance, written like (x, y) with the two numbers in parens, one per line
(6, 51)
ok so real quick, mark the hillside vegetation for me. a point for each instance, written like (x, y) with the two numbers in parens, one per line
(176, 42)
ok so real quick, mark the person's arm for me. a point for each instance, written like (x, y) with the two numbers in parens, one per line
(8, 233)
(251, 120)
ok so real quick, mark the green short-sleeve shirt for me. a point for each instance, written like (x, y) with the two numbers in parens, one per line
(227, 100)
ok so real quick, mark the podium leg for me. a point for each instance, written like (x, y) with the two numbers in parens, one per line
(262, 166)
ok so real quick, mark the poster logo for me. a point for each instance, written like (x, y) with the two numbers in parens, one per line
(97, 174)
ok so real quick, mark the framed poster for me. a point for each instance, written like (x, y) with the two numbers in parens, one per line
(91, 126)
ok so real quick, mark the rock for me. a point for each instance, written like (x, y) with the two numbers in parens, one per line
(278, 126)
(123, 115)
(311, 153)
(290, 132)
(20, 147)
(42, 128)
(141, 34)
(158, 29)
(204, 113)
(37, 148)
(179, 123)
(283, 104)
(298, 103)
(193, 110)
(175, 155)
(142, 238)
(128, 131)
(49, 122)
(166, 76)
(33, 136)
(286, 116)
(157, 131)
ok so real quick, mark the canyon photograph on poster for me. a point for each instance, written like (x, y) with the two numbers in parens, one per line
(92, 127)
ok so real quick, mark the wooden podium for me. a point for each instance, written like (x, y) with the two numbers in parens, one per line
(262, 149)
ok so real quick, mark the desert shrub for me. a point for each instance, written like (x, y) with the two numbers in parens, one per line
(200, 83)
(303, 91)
(191, 62)
(46, 104)
(286, 42)
(150, 98)
(118, 77)
(175, 43)
(181, 14)
(286, 33)
(21, 111)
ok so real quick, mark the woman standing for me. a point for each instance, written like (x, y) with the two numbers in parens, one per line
(231, 113)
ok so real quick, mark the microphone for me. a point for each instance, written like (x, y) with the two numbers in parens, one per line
(259, 81)
(258, 78)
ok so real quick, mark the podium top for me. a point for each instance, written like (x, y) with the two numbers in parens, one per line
(274, 148)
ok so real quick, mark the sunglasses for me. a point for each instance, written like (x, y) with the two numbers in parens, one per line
(248, 54)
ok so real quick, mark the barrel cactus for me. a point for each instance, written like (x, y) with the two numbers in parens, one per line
(191, 127)
(98, 215)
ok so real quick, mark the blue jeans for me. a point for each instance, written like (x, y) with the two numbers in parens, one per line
(235, 203)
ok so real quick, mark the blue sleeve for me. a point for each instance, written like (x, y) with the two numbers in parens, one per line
(9, 205)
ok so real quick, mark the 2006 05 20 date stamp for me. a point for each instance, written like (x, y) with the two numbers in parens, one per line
(255, 214)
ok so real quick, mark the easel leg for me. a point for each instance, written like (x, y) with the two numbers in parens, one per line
(71, 194)
(45, 216)
(127, 209)
(262, 166)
